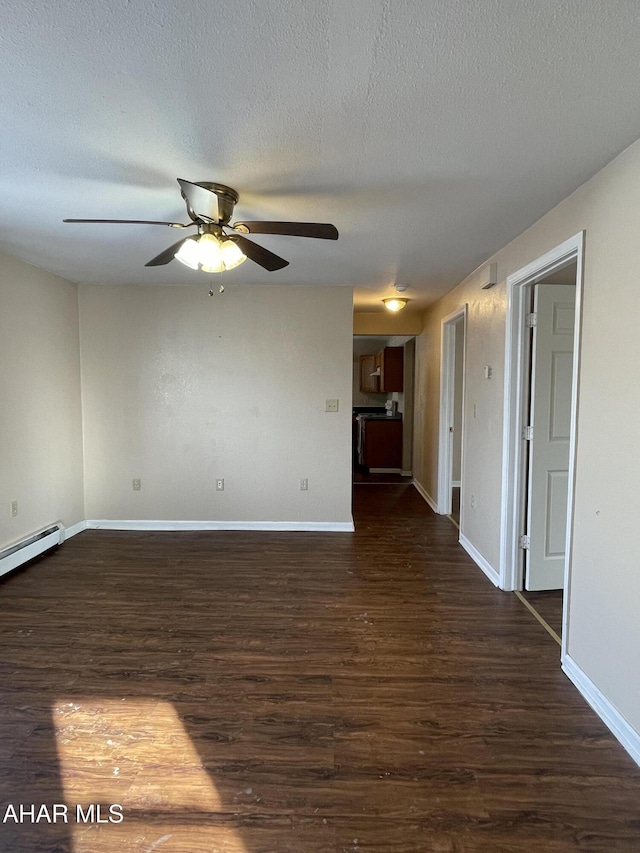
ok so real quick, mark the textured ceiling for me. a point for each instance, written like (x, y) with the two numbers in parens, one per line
(430, 132)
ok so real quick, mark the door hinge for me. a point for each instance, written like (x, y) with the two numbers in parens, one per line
(527, 433)
(532, 320)
(525, 542)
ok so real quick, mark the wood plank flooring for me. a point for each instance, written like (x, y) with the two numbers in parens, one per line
(362, 476)
(317, 693)
(548, 603)
(455, 504)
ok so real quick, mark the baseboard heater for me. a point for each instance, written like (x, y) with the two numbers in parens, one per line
(27, 549)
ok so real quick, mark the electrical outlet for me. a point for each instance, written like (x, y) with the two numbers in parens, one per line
(473, 501)
(304, 484)
(137, 485)
(475, 411)
(14, 509)
(220, 485)
(331, 406)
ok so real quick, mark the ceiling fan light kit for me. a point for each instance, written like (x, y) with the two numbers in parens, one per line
(209, 254)
(210, 207)
(393, 304)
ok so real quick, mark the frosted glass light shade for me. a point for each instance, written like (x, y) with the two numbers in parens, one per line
(189, 253)
(232, 256)
(394, 305)
(210, 254)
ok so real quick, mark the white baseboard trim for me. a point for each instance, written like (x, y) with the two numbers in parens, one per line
(608, 713)
(303, 526)
(74, 529)
(425, 494)
(480, 561)
(455, 484)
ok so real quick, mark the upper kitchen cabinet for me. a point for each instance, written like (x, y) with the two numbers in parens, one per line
(369, 378)
(382, 372)
(390, 363)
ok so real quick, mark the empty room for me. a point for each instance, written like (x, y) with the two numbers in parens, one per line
(318, 456)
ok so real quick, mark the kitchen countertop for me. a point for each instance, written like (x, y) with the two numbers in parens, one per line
(377, 417)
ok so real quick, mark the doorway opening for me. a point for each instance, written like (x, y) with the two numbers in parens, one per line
(383, 409)
(541, 370)
(450, 451)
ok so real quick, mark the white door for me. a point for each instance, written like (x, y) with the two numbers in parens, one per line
(551, 376)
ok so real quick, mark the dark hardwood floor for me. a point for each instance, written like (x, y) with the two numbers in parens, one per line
(317, 693)
(548, 604)
(363, 476)
(455, 504)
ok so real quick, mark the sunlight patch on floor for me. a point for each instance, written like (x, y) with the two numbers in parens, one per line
(136, 753)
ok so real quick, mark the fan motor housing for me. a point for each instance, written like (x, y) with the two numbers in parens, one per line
(227, 200)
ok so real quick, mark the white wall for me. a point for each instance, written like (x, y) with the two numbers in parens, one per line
(604, 602)
(180, 388)
(40, 414)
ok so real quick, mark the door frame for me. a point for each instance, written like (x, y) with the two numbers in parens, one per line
(516, 384)
(447, 397)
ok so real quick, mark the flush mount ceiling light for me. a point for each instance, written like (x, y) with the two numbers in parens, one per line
(395, 305)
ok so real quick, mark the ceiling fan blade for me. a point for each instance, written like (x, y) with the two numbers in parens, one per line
(258, 254)
(321, 230)
(203, 203)
(132, 222)
(167, 255)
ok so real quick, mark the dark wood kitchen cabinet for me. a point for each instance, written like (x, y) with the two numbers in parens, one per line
(369, 384)
(391, 363)
(382, 372)
(382, 443)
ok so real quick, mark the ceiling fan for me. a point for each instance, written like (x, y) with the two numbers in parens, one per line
(219, 245)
